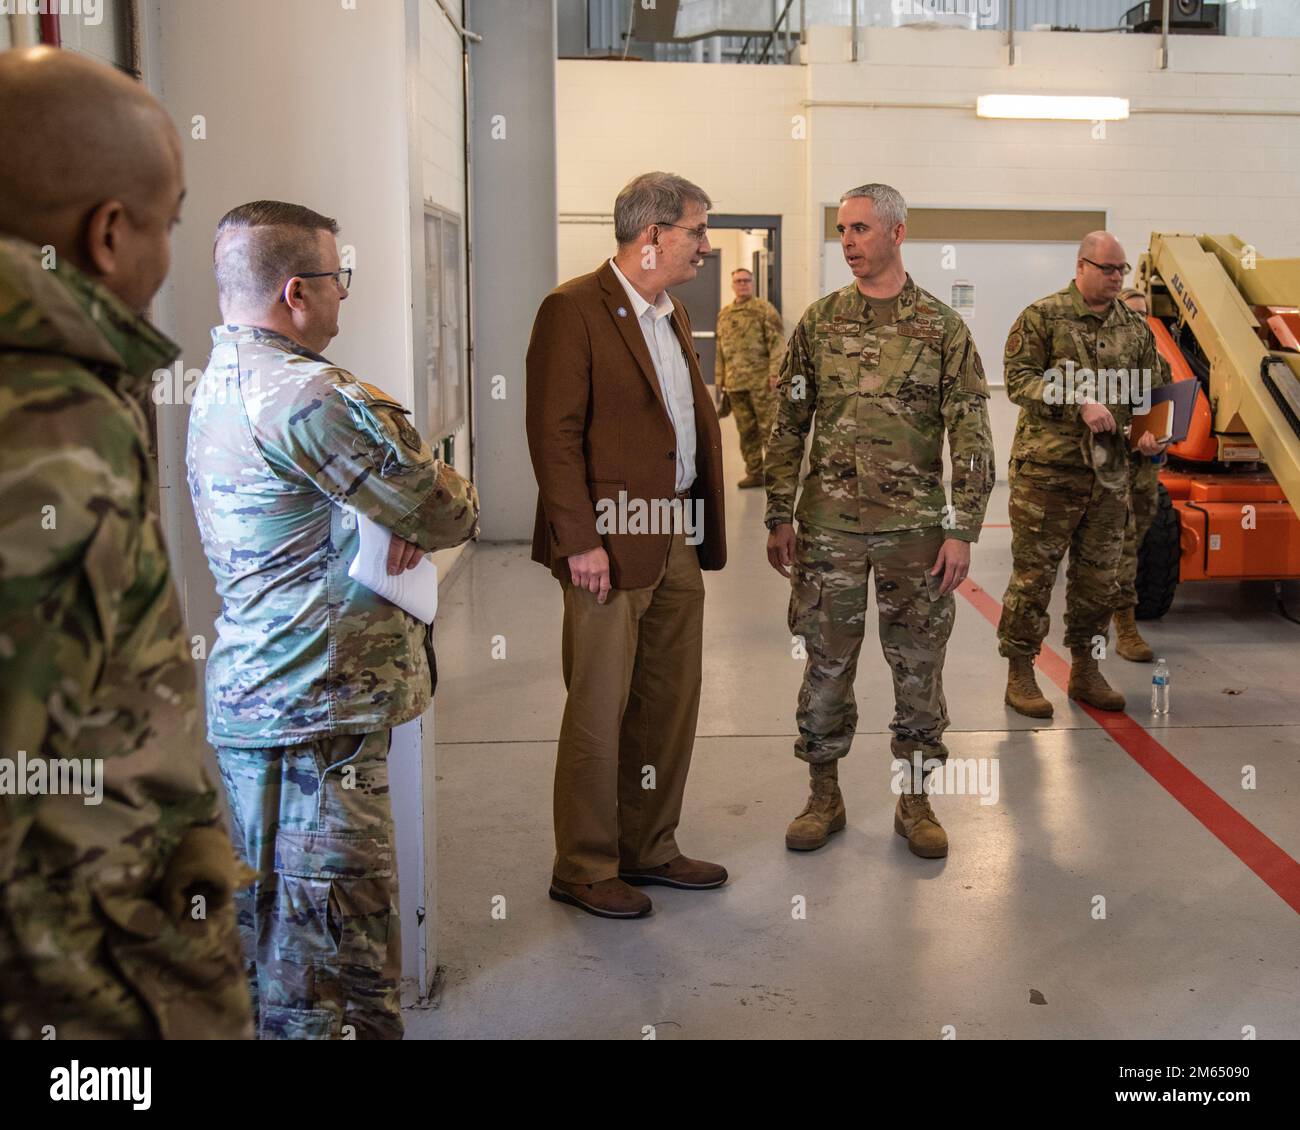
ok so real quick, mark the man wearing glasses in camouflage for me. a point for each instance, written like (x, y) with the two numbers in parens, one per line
(310, 670)
(1069, 468)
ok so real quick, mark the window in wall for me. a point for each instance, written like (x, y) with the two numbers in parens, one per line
(444, 334)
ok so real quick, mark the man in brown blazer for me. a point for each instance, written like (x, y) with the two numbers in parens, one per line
(628, 455)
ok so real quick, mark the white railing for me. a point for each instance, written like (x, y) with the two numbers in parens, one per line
(697, 18)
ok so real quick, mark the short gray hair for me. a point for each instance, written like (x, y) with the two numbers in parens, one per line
(654, 198)
(259, 245)
(889, 202)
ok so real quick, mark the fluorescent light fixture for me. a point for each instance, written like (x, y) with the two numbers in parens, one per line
(1053, 106)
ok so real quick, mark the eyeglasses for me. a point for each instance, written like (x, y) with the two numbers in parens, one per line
(1109, 269)
(701, 233)
(343, 276)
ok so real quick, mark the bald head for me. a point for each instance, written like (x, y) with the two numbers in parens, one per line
(1102, 246)
(89, 164)
(1100, 269)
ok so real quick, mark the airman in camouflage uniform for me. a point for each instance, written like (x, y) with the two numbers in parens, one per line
(885, 379)
(751, 345)
(115, 879)
(310, 670)
(1060, 357)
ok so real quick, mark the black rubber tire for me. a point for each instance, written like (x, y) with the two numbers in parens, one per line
(1157, 569)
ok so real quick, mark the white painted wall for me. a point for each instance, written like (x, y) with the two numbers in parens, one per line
(440, 115)
(729, 129)
(351, 112)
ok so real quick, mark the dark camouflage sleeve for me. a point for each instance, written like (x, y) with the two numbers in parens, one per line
(774, 332)
(360, 449)
(970, 440)
(73, 533)
(82, 569)
(1025, 362)
(796, 397)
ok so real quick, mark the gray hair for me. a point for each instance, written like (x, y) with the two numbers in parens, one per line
(259, 245)
(889, 202)
(654, 198)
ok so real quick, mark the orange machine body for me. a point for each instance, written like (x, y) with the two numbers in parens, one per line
(1233, 526)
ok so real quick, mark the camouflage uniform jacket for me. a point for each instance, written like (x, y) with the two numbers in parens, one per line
(284, 450)
(94, 662)
(883, 392)
(751, 343)
(1059, 329)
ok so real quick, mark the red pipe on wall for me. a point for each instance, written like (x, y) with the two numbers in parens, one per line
(50, 29)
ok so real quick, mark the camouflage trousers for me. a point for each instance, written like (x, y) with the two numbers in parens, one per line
(1054, 508)
(112, 957)
(1143, 479)
(321, 936)
(828, 609)
(753, 409)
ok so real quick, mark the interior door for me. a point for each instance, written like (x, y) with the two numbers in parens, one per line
(700, 296)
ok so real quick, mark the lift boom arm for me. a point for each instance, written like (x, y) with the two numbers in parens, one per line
(1215, 282)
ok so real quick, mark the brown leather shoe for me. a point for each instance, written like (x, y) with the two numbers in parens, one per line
(685, 874)
(750, 481)
(609, 898)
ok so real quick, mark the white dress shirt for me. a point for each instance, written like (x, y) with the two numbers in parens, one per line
(670, 367)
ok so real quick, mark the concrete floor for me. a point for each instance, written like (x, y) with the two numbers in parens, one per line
(997, 941)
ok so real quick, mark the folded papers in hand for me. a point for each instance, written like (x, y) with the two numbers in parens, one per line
(413, 590)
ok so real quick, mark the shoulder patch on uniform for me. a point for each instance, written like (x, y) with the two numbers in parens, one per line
(364, 393)
(1016, 338)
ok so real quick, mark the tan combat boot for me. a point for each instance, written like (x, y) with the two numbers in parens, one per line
(822, 815)
(1129, 643)
(1087, 683)
(915, 819)
(1023, 694)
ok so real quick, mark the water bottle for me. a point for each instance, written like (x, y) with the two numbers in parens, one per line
(1160, 688)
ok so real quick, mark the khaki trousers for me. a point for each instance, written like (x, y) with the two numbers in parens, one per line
(632, 669)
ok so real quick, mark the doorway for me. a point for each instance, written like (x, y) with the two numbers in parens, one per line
(749, 241)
